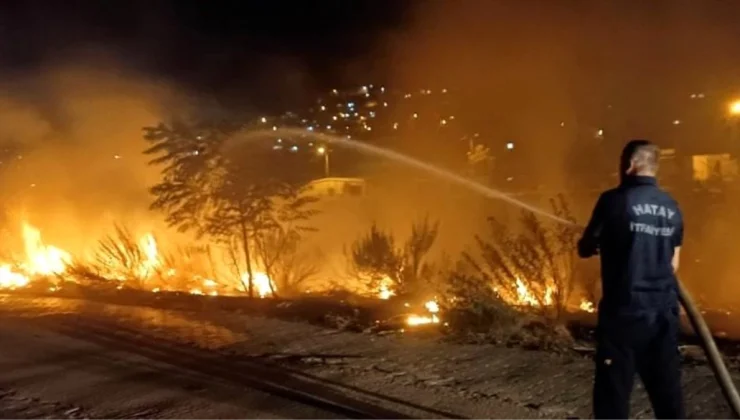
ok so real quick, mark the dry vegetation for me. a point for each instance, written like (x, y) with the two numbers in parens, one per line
(377, 260)
(513, 287)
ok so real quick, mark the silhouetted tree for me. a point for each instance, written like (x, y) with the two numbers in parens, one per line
(230, 192)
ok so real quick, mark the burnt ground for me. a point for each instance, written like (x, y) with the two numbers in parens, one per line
(415, 367)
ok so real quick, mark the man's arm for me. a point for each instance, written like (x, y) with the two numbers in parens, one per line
(588, 245)
(677, 243)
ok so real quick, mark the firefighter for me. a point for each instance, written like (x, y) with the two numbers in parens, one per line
(637, 230)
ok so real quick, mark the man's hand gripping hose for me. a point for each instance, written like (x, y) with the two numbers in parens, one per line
(710, 348)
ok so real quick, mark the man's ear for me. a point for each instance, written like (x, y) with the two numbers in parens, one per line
(630, 169)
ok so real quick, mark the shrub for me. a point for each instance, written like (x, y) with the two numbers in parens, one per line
(535, 268)
(285, 263)
(118, 256)
(375, 258)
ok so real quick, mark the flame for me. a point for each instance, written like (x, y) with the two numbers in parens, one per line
(261, 282)
(524, 295)
(587, 306)
(384, 291)
(47, 260)
(433, 307)
(414, 320)
(548, 296)
(42, 260)
(9, 279)
(148, 247)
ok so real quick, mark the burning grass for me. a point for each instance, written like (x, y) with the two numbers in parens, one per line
(498, 294)
(515, 287)
(125, 261)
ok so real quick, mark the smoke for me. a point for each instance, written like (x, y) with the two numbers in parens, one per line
(549, 78)
(542, 75)
(71, 142)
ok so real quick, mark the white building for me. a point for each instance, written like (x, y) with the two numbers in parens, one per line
(337, 187)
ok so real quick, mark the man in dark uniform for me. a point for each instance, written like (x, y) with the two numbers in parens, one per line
(637, 229)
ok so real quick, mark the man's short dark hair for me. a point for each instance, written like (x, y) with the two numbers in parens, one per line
(645, 155)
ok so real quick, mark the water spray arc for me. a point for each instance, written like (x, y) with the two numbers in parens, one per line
(405, 160)
(698, 323)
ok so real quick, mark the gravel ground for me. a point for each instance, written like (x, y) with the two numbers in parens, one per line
(14, 405)
(478, 381)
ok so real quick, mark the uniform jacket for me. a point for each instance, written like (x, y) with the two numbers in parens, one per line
(635, 229)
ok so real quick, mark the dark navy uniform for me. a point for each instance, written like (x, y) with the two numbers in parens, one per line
(635, 228)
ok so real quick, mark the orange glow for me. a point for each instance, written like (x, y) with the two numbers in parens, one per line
(587, 306)
(10, 279)
(433, 317)
(261, 282)
(385, 292)
(735, 108)
(142, 261)
(525, 295)
(42, 260)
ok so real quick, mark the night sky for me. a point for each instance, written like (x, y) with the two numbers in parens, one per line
(225, 48)
(272, 54)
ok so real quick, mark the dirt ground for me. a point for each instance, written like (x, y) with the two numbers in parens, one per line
(478, 381)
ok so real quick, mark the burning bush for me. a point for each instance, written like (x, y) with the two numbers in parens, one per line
(241, 197)
(534, 269)
(477, 313)
(278, 248)
(389, 269)
(120, 256)
(476, 306)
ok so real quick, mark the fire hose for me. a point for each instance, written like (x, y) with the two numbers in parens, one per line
(716, 362)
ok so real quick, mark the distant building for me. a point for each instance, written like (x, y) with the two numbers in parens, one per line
(337, 187)
(702, 164)
(714, 167)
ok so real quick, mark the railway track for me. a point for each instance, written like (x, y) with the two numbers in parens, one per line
(258, 374)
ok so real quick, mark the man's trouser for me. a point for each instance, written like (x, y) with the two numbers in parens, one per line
(646, 344)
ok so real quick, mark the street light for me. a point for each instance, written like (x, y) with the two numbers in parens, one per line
(734, 120)
(735, 108)
(323, 151)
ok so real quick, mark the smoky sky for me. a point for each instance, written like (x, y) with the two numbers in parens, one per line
(262, 52)
(272, 52)
(591, 60)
